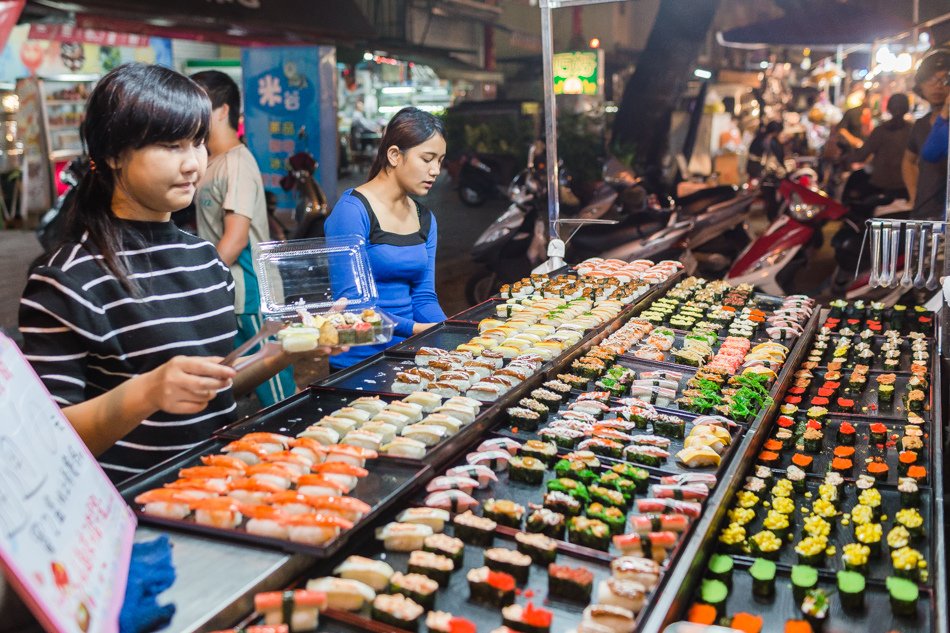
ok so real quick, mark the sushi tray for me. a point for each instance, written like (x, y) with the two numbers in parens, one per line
(375, 374)
(859, 316)
(849, 352)
(191, 493)
(852, 448)
(445, 335)
(293, 415)
(485, 310)
(449, 592)
(765, 598)
(843, 533)
(851, 393)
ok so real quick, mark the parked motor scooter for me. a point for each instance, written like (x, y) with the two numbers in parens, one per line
(482, 177)
(312, 209)
(771, 262)
(53, 223)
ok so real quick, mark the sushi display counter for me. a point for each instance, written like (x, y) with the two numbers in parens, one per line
(578, 493)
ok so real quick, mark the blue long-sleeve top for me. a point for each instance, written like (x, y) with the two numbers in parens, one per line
(934, 149)
(403, 268)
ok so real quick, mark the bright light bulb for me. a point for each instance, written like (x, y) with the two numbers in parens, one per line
(903, 63)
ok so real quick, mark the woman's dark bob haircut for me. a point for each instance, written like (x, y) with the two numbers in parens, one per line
(133, 106)
(408, 128)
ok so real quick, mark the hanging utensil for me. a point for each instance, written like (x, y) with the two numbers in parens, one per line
(892, 279)
(934, 243)
(919, 279)
(875, 279)
(885, 255)
(907, 280)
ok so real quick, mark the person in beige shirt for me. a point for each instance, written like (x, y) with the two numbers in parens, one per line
(231, 213)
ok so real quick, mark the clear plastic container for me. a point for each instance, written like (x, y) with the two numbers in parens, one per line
(323, 284)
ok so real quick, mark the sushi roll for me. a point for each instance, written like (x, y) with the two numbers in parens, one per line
(909, 492)
(344, 594)
(504, 512)
(570, 487)
(720, 567)
(298, 609)
(547, 522)
(421, 589)
(610, 496)
(589, 533)
(508, 561)
(493, 588)
(763, 578)
(445, 545)
(474, 529)
(545, 452)
(524, 419)
(620, 592)
(373, 573)
(542, 549)
(904, 595)
(443, 622)
(570, 583)
(714, 593)
(804, 579)
(526, 619)
(526, 469)
(435, 518)
(815, 608)
(907, 563)
(403, 537)
(574, 469)
(397, 610)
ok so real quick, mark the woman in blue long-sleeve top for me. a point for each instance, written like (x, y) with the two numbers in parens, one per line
(400, 233)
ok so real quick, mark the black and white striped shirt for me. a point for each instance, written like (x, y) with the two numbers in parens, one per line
(85, 334)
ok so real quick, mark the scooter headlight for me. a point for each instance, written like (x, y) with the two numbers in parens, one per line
(519, 193)
(801, 211)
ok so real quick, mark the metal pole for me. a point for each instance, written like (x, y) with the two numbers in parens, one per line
(550, 120)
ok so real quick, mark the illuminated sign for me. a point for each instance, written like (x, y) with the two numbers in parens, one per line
(579, 73)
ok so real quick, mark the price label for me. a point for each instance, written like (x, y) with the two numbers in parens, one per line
(65, 533)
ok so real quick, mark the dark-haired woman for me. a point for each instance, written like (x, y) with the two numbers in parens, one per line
(399, 232)
(126, 322)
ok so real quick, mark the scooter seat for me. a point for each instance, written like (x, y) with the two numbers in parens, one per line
(701, 200)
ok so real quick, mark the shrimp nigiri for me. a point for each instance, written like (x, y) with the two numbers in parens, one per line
(165, 503)
(347, 474)
(272, 473)
(265, 520)
(349, 454)
(270, 442)
(251, 491)
(224, 461)
(250, 453)
(200, 487)
(318, 485)
(347, 508)
(309, 448)
(221, 512)
(315, 529)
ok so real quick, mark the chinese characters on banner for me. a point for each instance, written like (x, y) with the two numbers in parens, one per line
(281, 111)
(65, 533)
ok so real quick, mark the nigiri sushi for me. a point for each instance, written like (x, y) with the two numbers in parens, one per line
(651, 545)
(270, 442)
(460, 413)
(217, 473)
(409, 409)
(707, 479)
(165, 503)
(302, 608)
(483, 474)
(496, 460)
(500, 444)
(435, 518)
(428, 401)
(357, 415)
(322, 434)
(265, 520)
(428, 434)
(465, 484)
(650, 505)
(224, 461)
(272, 474)
(344, 594)
(405, 447)
(645, 571)
(251, 491)
(454, 501)
(373, 573)
(451, 424)
(652, 440)
(315, 529)
(403, 537)
(348, 508)
(347, 474)
(363, 439)
(201, 487)
(294, 462)
(220, 512)
(646, 523)
(350, 454)
(310, 448)
(698, 457)
(371, 404)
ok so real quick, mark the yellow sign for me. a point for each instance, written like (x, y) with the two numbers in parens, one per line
(577, 73)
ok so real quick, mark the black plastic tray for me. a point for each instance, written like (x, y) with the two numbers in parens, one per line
(388, 479)
(878, 568)
(293, 415)
(866, 402)
(863, 450)
(454, 598)
(876, 617)
(445, 335)
(374, 375)
(483, 310)
(877, 362)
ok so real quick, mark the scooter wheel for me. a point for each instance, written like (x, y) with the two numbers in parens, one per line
(471, 197)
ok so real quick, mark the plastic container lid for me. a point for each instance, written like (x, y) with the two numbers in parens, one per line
(312, 275)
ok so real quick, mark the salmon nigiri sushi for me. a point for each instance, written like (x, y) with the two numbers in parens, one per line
(651, 545)
(347, 474)
(200, 487)
(250, 453)
(224, 461)
(350, 454)
(347, 508)
(309, 448)
(302, 608)
(220, 512)
(214, 473)
(318, 485)
(272, 473)
(295, 463)
(270, 442)
(251, 491)
(290, 502)
(264, 520)
(315, 529)
(165, 503)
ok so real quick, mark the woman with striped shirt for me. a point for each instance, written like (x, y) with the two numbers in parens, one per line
(127, 322)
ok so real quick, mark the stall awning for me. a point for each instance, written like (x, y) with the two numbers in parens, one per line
(441, 60)
(240, 22)
(828, 26)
